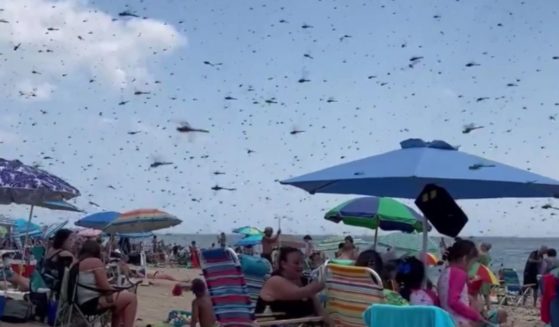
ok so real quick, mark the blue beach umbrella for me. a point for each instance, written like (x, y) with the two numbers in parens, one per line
(59, 205)
(250, 240)
(404, 173)
(98, 220)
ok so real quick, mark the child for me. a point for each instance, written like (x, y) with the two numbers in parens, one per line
(202, 308)
(410, 277)
(452, 286)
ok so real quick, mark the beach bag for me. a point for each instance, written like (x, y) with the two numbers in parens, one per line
(179, 318)
(17, 311)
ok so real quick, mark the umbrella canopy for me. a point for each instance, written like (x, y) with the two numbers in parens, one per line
(89, 232)
(410, 243)
(59, 205)
(141, 220)
(249, 240)
(97, 220)
(431, 259)
(21, 226)
(374, 212)
(483, 273)
(248, 230)
(404, 173)
(53, 228)
(24, 184)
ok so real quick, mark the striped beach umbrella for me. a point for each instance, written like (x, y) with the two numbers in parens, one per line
(377, 212)
(98, 220)
(141, 220)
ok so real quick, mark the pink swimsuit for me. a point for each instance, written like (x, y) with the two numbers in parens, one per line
(453, 294)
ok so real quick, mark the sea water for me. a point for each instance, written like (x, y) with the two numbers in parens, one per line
(510, 252)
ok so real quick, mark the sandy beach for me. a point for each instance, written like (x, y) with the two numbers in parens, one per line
(156, 300)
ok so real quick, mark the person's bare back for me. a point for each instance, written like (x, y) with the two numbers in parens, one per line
(203, 312)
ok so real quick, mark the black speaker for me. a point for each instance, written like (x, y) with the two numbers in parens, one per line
(438, 206)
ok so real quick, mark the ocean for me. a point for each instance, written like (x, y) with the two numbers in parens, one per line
(507, 252)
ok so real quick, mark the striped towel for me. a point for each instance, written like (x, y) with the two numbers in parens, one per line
(349, 292)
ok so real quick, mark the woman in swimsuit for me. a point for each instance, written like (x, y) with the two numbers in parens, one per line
(287, 291)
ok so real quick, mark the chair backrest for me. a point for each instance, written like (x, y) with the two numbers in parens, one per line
(227, 287)
(509, 277)
(349, 292)
(256, 271)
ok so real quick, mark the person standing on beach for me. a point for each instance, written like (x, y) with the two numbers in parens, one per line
(309, 246)
(531, 270)
(485, 259)
(222, 240)
(268, 243)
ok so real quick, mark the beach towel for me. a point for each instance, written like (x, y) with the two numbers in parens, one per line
(386, 315)
(549, 283)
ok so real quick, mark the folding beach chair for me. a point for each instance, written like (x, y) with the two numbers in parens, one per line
(69, 313)
(512, 292)
(228, 290)
(349, 292)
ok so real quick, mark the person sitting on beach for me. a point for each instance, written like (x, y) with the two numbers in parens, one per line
(349, 251)
(411, 278)
(202, 307)
(287, 290)
(59, 257)
(93, 275)
(453, 288)
(269, 242)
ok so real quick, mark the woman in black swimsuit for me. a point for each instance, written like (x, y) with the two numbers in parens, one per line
(58, 257)
(287, 291)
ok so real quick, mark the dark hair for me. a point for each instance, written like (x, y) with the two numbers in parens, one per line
(60, 238)
(90, 249)
(198, 287)
(552, 253)
(284, 252)
(341, 246)
(371, 259)
(307, 238)
(349, 238)
(410, 276)
(461, 248)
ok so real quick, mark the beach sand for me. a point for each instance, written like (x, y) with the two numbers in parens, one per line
(156, 300)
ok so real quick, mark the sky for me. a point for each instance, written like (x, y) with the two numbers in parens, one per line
(94, 92)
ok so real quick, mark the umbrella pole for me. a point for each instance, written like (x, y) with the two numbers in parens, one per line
(375, 242)
(26, 239)
(424, 245)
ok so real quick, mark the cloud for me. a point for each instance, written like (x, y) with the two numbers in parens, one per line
(45, 42)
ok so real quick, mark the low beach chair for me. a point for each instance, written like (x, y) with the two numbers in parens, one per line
(512, 292)
(349, 292)
(385, 315)
(228, 290)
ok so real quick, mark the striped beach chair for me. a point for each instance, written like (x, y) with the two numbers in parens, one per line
(228, 290)
(349, 292)
(227, 287)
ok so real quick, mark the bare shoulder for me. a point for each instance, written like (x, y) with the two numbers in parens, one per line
(91, 263)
